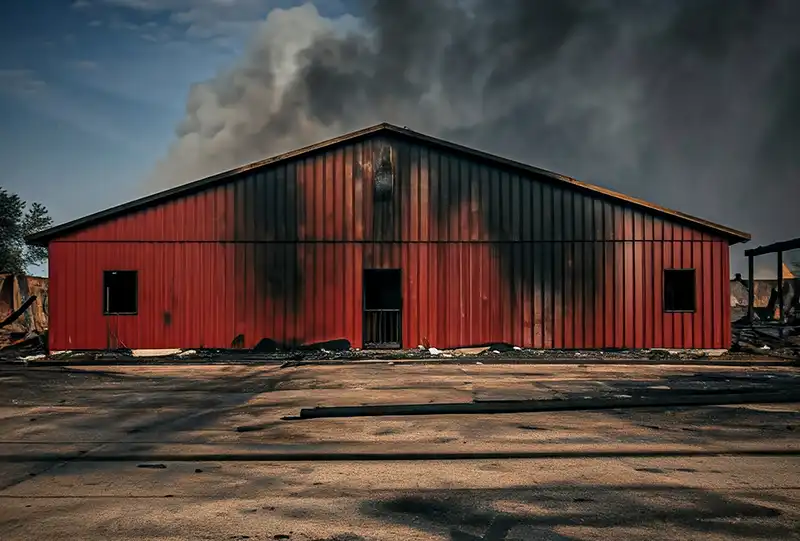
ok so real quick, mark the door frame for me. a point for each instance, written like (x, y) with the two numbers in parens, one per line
(386, 345)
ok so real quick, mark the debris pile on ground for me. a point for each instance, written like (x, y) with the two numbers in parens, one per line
(779, 341)
(268, 350)
(766, 300)
(28, 347)
(23, 315)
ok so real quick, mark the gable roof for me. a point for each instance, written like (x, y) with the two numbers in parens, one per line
(43, 237)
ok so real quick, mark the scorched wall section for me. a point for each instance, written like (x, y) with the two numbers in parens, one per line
(487, 253)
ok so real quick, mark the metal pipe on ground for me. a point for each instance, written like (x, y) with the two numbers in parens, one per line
(154, 459)
(538, 406)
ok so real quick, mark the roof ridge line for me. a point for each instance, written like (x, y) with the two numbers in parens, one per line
(43, 237)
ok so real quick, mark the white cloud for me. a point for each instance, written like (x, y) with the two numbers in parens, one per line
(34, 93)
(181, 5)
(29, 90)
(204, 19)
(150, 31)
(87, 65)
(95, 23)
(149, 5)
(61, 107)
(20, 82)
(81, 4)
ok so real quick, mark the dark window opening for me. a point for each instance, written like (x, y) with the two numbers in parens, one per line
(679, 290)
(120, 292)
(382, 289)
(383, 300)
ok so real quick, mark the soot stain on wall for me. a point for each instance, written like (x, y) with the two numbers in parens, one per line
(545, 236)
(383, 192)
(539, 231)
(268, 209)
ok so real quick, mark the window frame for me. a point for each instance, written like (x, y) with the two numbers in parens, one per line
(104, 299)
(664, 290)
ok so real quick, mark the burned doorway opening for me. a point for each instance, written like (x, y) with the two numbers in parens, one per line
(383, 308)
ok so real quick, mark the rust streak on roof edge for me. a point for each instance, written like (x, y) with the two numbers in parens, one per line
(42, 238)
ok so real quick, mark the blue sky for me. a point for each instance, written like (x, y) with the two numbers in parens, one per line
(91, 90)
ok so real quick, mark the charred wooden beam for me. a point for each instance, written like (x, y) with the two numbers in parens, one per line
(15, 315)
(783, 246)
(751, 292)
(780, 286)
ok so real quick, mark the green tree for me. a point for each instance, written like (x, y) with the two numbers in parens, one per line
(17, 220)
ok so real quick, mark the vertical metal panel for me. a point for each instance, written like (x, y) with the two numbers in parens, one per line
(597, 314)
(727, 331)
(640, 304)
(697, 261)
(717, 303)
(486, 255)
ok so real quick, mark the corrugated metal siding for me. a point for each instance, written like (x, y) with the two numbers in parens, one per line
(486, 255)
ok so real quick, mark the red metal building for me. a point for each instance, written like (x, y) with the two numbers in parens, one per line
(473, 248)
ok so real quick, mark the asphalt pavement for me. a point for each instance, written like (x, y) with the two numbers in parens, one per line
(217, 452)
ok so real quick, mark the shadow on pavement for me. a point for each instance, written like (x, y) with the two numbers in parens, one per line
(535, 512)
(130, 412)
